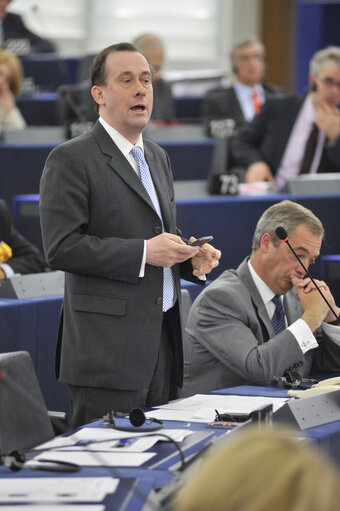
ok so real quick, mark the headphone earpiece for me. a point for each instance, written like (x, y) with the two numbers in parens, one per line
(14, 460)
(137, 419)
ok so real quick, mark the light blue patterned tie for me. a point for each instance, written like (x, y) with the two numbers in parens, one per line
(278, 319)
(144, 171)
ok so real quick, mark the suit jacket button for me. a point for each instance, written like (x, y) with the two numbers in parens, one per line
(159, 300)
(158, 230)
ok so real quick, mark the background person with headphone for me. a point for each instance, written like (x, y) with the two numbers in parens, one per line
(242, 100)
(295, 134)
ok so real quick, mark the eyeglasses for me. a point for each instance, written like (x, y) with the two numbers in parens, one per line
(329, 82)
(247, 58)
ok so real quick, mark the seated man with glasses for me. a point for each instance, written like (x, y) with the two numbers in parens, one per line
(293, 134)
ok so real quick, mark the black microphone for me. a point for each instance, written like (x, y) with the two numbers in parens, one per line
(282, 234)
(67, 95)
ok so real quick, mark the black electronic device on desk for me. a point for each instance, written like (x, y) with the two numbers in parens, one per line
(34, 285)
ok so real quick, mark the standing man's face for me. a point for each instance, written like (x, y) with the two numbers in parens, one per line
(249, 65)
(125, 101)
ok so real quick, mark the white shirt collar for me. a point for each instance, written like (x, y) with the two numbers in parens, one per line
(265, 292)
(246, 89)
(123, 144)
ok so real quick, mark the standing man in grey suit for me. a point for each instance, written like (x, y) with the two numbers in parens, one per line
(115, 236)
(236, 334)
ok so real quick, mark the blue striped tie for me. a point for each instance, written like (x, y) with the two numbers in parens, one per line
(144, 171)
(278, 319)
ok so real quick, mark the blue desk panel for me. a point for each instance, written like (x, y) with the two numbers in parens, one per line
(39, 109)
(21, 167)
(49, 70)
(190, 160)
(188, 107)
(231, 220)
(32, 325)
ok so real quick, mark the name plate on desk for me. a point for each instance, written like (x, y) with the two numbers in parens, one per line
(310, 412)
(34, 285)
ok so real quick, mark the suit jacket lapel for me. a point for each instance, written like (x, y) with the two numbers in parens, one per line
(159, 184)
(259, 306)
(119, 163)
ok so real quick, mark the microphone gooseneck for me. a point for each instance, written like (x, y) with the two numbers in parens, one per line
(283, 236)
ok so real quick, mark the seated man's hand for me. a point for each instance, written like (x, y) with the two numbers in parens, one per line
(2, 274)
(328, 120)
(257, 172)
(205, 260)
(315, 308)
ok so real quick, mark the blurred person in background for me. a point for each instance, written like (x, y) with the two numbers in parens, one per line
(152, 47)
(295, 135)
(17, 255)
(243, 99)
(261, 470)
(13, 28)
(10, 83)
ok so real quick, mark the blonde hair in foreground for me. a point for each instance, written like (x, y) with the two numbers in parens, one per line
(262, 470)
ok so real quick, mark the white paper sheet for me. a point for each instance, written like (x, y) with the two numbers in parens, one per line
(98, 459)
(107, 439)
(56, 489)
(201, 407)
(52, 507)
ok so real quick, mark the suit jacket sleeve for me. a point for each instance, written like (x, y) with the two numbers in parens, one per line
(26, 257)
(245, 145)
(224, 323)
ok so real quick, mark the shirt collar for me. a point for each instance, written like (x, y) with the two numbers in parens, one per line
(308, 109)
(123, 144)
(265, 292)
(245, 89)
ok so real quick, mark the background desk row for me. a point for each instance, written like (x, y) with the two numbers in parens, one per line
(21, 165)
(42, 108)
(231, 220)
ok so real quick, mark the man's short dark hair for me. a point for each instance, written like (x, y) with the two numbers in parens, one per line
(98, 68)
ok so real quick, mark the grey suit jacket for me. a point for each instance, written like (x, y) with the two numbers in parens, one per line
(230, 340)
(95, 214)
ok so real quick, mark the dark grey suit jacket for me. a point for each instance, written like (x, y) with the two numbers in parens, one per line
(95, 214)
(266, 136)
(230, 340)
(223, 103)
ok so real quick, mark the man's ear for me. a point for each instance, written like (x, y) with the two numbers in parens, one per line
(97, 94)
(312, 83)
(266, 242)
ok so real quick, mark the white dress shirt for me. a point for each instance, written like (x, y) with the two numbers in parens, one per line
(244, 95)
(295, 148)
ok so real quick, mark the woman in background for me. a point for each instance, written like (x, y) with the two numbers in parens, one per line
(261, 470)
(10, 83)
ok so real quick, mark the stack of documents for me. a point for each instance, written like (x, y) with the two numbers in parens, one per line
(202, 407)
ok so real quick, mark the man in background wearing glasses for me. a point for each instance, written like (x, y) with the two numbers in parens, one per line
(295, 135)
